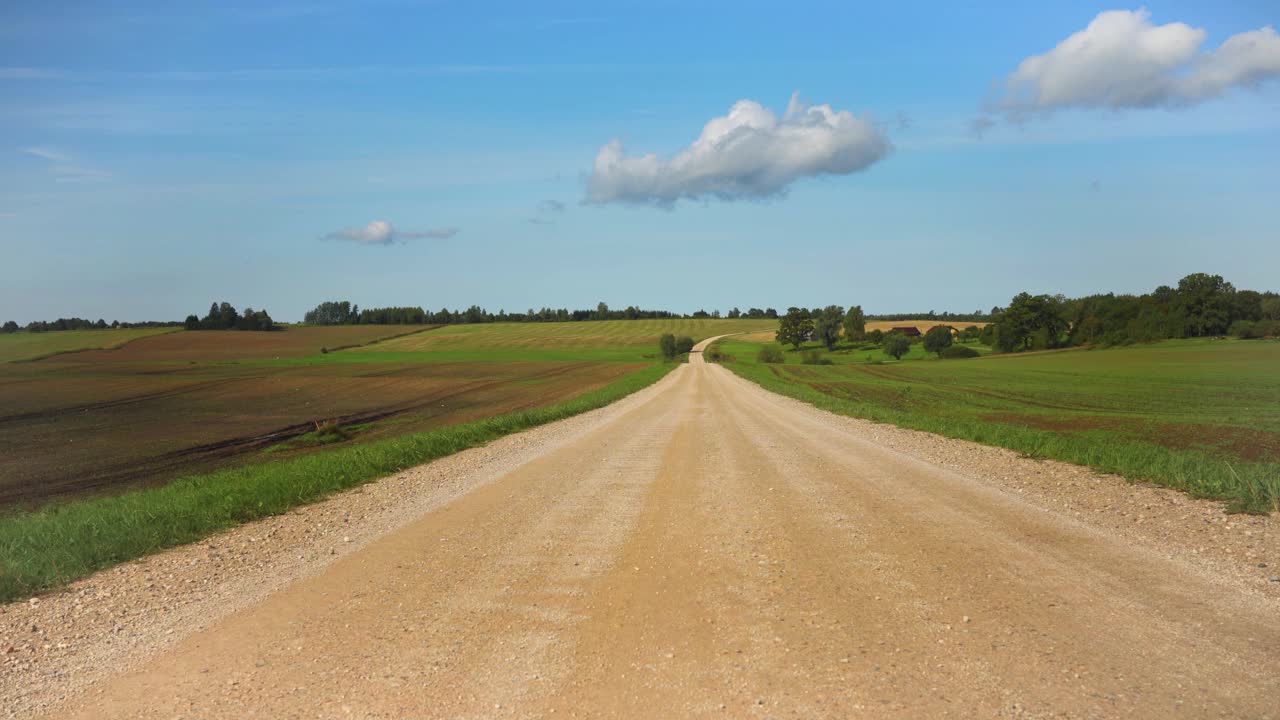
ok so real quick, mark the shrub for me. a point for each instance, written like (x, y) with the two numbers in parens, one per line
(876, 336)
(684, 345)
(771, 354)
(813, 357)
(896, 345)
(667, 344)
(958, 352)
(1246, 330)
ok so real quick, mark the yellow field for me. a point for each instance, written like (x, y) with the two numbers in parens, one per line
(567, 335)
(881, 325)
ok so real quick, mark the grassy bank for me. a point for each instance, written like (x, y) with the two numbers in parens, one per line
(60, 543)
(1199, 416)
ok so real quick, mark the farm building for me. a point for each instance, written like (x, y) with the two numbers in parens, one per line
(907, 330)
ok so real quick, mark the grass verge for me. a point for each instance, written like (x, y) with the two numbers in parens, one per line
(1244, 486)
(52, 546)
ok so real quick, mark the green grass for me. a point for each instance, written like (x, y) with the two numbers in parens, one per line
(59, 543)
(25, 346)
(1201, 416)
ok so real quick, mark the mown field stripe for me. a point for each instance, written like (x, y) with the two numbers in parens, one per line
(59, 543)
(54, 335)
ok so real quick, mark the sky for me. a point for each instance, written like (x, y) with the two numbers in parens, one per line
(159, 156)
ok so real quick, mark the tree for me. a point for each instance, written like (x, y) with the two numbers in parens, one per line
(667, 344)
(684, 345)
(192, 323)
(1031, 321)
(1270, 308)
(876, 336)
(937, 339)
(332, 313)
(826, 329)
(896, 345)
(1207, 301)
(795, 327)
(9, 327)
(855, 324)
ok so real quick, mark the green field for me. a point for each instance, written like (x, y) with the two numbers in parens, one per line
(107, 455)
(19, 346)
(1199, 415)
(165, 406)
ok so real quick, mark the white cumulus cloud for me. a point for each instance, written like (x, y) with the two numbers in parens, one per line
(381, 232)
(748, 153)
(1121, 60)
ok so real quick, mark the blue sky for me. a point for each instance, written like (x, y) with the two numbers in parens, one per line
(159, 156)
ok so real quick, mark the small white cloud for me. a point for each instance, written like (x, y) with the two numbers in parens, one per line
(381, 232)
(1123, 61)
(551, 206)
(749, 153)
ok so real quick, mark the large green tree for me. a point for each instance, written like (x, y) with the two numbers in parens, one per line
(1031, 320)
(795, 327)
(1207, 301)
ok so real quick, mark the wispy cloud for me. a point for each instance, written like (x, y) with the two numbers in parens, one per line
(1123, 61)
(28, 73)
(979, 126)
(381, 232)
(355, 72)
(64, 168)
(563, 22)
(748, 153)
(547, 212)
(45, 153)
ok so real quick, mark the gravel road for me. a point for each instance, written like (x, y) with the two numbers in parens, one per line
(702, 548)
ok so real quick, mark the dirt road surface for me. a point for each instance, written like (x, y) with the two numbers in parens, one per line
(718, 551)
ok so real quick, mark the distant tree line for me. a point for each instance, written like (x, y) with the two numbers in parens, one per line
(947, 317)
(1201, 305)
(79, 324)
(345, 313)
(222, 316)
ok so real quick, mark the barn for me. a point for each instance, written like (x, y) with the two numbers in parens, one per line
(907, 330)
